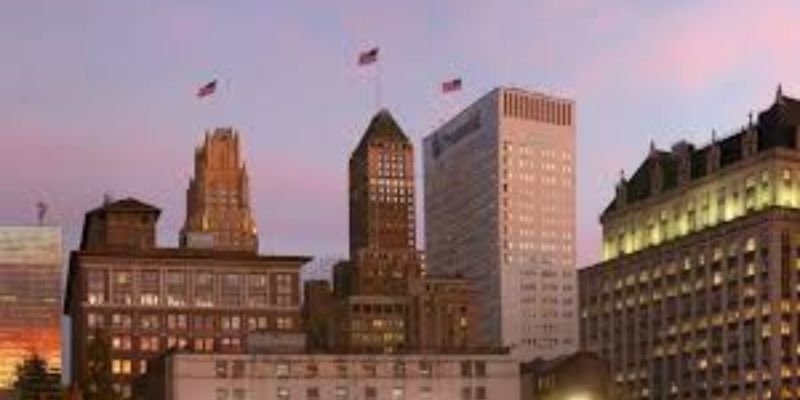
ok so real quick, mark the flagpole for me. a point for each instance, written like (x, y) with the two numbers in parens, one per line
(378, 102)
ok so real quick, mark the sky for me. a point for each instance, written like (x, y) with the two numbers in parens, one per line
(98, 97)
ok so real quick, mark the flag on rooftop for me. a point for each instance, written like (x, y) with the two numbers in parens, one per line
(451, 85)
(207, 89)
(368, 57)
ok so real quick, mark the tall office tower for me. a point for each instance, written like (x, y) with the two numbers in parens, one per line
(30, 298)
(382, 213)
(218, 199)
(500, 210)
(147, 299)
(698, 293)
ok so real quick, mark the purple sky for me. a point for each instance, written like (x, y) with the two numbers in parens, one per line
(99, 96)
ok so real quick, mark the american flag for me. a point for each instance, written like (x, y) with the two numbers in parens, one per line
(207, 89)
(368, 57)
(451, 85)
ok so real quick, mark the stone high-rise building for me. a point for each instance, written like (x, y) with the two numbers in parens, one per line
(218, 213)
(698, 293)
(147, 299)
(382, 212)
(500, 210)
(380, 301)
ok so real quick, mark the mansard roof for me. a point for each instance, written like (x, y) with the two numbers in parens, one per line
(775, 127)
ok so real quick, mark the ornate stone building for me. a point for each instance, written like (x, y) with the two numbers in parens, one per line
(698, 293)
(218, 211)
(147, 299)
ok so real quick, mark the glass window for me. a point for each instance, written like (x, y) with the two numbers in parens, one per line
(284, 393)
(237, 370)
(149, 287)
(480, 368)
(222, 394)
(176, 288)
(282, 370)
(480, 393)
(221, 369)
(204, 289)
(466, 369)
(231, 289)
(312, 393)
(398, 393)
(97, 289)
(258, 290)
(370, 393)
(341, 393)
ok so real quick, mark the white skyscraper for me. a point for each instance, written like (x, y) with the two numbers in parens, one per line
(500, 209)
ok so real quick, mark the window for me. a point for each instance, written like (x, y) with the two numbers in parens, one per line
(122, 287)
(239, 394)
(312, 393)
(425, 369)
(175, 288)
(399, 369)
(257, 323)
(425, 393)
(177, 322)
(222, 394)
(237, 369)
(221, 369)
(149, 343)
(282, 370)
(284, 323)
(370, 370)
(149, 321)
(480, 368)
(398, 393)
(466, 369)
(231, 289)
(284, 289)
(204, 289)
(121, 321)
(149, 287)
(370, 393)
(480, 393)
(97, 290)
(258, 290)
(94, 320)
(283, 393)
(312, 370)
(341, 370)
(121, 367)
(341, 393)
(466, 393)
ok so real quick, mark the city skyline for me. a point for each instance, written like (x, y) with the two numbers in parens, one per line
(123, 93)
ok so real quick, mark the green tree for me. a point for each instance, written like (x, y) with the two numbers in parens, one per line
(98, 383)
(34, 380)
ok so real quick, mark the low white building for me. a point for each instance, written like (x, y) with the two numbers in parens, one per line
(183, 376)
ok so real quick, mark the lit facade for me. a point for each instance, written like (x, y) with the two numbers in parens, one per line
(500, 210)
(30, 297)
(698, 295)
(332, 377)
(218, 213)
(147, 299)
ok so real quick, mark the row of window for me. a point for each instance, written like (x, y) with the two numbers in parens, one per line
(182, 322)
(346, 393)
(237, 369)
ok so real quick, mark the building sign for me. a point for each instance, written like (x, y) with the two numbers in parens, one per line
(443, 140)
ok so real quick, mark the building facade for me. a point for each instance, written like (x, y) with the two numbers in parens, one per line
(146, 299)
(381, 303)
(30, 298)
(581, 376)
(331, 377)
(218, 213)
(500, 210)
(698, 293)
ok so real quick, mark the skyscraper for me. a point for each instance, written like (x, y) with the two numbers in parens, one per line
(500, 209)
(30, 297)
(380, 302)
(218, 200)
(382, 213)
(697, 294)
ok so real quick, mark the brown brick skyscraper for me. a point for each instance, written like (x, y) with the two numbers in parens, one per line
(218, 200)
(382, 219)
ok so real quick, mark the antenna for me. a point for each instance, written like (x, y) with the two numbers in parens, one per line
(41, 212)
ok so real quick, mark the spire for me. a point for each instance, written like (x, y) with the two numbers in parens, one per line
(779, 94)
(713, 136)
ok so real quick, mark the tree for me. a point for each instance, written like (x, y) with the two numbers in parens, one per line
(34, 380)
(98, 384)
